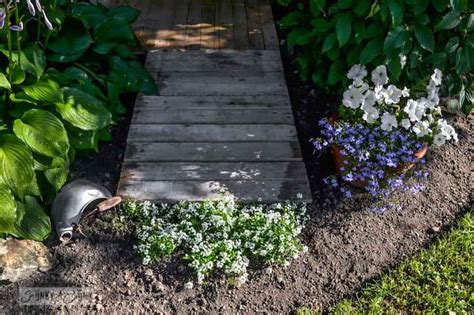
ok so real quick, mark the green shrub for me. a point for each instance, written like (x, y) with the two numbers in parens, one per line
(61, 76)
(411, 37)
(219, 236)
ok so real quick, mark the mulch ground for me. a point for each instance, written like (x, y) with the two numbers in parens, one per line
(348, 244)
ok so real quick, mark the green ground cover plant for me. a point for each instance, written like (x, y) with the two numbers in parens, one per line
(438, 280)
(410, 37)
(218, 236)
(63, 67)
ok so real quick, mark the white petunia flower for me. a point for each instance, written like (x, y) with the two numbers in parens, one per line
(437, 77)
(439, 140)
(392, 94)
(447, 130)
(389, 122)
(379, 75)
(369, 98)
(370, 113)
(352, 98)
(357, 73)
(406, 92)
(421, 129)
(415, 110)
(370, 117)
(406, 123)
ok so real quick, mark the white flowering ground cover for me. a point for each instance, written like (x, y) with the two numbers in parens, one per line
(219, 236)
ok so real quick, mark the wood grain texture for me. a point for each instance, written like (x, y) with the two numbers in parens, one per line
(266, 191)
(212, 152)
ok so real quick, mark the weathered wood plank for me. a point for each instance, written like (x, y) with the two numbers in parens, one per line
(212, 116)
(241, 36)
(177, 171)
(210, 133)
(212, 152)
(220, 83)
(235, 65)
(270, 36)
(246, 191)
(254, 26)
(214, 55)
(193, 28)
(225, 24)
(209, 35)
(213, 102)
(178, 38)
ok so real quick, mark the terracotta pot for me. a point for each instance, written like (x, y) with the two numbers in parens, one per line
(339, 162)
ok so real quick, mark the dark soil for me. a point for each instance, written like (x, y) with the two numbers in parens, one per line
(349, 245)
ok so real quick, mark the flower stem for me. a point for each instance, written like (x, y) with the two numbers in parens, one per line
(18, 41)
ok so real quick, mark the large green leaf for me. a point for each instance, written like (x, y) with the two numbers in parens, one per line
(58, 172)
(114, 30)
(16, 165)
(395, 39)
(32, 58)
(84, 140)
(32, 221)
(83, 111)
(397, 10)
(44, 91)
(7, 211)
(43, 132)
(329, 42)
(336, 72)
(371, 51)
(343, 28)
(425, 37)
(440, 5)
(91, 15)
(73, 40)
(126, 13)
(450, 20)
(131, 76)
(300, 36)
(4, 83)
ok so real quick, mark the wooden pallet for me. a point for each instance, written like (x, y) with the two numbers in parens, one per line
(205, 24)
(222, 120)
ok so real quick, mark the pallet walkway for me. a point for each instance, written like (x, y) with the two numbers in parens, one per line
(223, 120)
(205, 24)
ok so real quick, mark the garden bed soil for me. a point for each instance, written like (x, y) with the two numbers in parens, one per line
(348, 244)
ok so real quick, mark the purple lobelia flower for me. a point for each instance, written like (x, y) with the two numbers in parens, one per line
(3, 17)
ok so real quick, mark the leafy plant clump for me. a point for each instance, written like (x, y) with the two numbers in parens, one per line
(381, 131)
(219, 236)
(63, 67)
(411, 37)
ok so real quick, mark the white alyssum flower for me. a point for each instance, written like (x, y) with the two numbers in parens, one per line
(352, 98)
(379, 75)
(389, 122)
(188, 285)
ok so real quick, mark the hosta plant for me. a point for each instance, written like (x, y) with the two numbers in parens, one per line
(63, 67)
(410, 36)
(219, 236)
(381, 130)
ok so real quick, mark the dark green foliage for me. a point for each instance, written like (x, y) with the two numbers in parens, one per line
(59, 93)
(331, 36)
